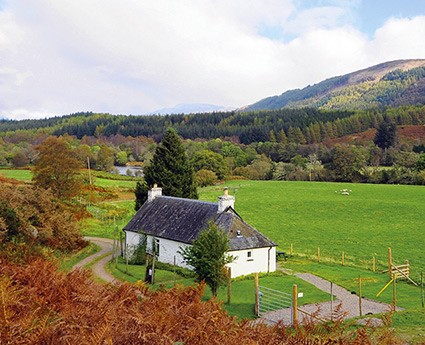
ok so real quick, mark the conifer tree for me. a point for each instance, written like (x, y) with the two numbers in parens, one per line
(170, 169)
(386, 134)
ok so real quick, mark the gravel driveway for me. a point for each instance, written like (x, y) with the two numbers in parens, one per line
(98, 268)
(349, 304)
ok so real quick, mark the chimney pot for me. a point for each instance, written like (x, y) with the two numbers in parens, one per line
(154, 192)
(225, 201)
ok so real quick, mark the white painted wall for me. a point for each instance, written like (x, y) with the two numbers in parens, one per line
(243, 265)
(167, 248)
(258, 262)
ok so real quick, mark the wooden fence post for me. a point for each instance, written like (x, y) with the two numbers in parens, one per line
(291, 250)
(332, 301)
(229, 285)
(373, 264)
(360, 297)
(390, 263)
(257, 295)
(422, 289)
(126, 258)
(342, 258)
(294, 305)
(394, 292)
(318, 254)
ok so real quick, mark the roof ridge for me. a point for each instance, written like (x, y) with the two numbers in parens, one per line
(188, 200)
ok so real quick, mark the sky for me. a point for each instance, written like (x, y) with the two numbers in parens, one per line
(136, 56)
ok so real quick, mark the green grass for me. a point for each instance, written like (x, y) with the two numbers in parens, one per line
(362, 225)
(112, 181)
(409, 322)
(21, 175)
(311, 215)
(68, 261)
(115, 184)
(133, 273)
(242, 299)
(102, 223)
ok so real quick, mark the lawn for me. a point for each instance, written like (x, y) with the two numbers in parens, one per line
(21, 175)
(311, 215)
(108, 218)
(115, 184)
(242, 298)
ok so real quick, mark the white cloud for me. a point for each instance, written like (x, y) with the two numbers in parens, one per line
(134, 57)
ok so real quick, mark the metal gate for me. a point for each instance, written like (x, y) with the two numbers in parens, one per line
(271, 300)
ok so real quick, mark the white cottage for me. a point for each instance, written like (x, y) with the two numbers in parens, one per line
(173, 223)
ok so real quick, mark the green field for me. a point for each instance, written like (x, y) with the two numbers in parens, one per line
(311, 215)
(21, 175)
(112, 182)
(243, 298)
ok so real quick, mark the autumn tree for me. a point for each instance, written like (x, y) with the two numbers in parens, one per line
(170, 168)
(28, 212)
(208, 257)
(57, 168)
(105, 158)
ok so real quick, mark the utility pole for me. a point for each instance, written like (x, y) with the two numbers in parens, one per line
(88, 167)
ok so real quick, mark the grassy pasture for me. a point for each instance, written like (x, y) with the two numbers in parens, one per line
(20, 175)
(311, 215)
(243, 298)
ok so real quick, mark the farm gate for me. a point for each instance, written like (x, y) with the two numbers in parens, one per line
(272, 300)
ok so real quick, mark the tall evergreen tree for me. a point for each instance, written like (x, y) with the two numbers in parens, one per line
(386, 134)
(141, 193)
(170, 169)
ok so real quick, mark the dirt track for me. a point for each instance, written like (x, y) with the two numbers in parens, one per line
(326, 310)
(98, 268)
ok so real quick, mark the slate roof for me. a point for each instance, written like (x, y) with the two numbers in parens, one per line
(183, 220)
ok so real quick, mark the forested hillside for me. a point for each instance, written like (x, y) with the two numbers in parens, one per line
(306, 125)
(394, 83)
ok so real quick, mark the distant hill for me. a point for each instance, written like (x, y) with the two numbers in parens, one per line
(190, 109)
(394, 83)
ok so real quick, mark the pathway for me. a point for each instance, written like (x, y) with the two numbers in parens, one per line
(349, 304)
(98, 268)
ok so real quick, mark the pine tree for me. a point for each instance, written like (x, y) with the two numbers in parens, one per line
(141, 193)
(170, 169)
(386, 135)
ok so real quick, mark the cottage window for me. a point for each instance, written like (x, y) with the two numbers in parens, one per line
(249, 256)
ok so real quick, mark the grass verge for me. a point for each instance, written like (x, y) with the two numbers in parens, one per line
(242, 298)
(68, 261)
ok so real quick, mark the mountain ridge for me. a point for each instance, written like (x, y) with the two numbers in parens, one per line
(362, 89)
(190, 108)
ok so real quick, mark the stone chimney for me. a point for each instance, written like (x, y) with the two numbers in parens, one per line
(154, 192)
(225, 201)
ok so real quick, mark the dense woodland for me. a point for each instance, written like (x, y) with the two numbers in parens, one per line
(287, 144)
